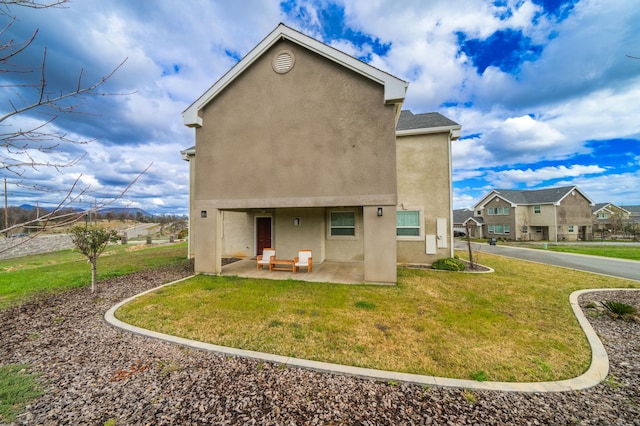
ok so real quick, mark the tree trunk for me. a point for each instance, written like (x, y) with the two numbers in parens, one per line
(94, 273)
(472, 266)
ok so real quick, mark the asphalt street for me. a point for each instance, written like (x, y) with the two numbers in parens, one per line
(629, 269)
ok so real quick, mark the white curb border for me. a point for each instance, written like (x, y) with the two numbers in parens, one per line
(596, 373)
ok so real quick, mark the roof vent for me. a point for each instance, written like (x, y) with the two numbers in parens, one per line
(283, 62)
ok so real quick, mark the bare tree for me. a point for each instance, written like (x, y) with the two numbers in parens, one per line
(37, 147)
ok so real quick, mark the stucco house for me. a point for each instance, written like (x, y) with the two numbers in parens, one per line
(612, 221)
(554, 214)
(608, 219)
(465, 221)
(301, 146)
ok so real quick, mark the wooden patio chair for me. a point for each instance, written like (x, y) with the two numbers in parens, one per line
(264, 259)
(304, 259)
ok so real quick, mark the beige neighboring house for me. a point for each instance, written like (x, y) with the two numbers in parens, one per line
(465, 222)
(553, 214)
(301, 146)
(608, 219)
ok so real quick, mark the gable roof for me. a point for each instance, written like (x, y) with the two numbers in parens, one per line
(429, 122)
(608, 207)
(394, 88)
(461, 216)
(532, 197)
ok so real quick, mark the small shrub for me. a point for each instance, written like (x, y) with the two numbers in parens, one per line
(619, 308)
(449, 264)
(479, 376)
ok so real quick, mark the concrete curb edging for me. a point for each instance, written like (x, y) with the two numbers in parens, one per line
(597, 371)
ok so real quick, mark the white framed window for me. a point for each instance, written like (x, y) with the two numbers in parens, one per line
(537, 209)
(538, 229)
(500, 229)
(501, 211)
(342, 223)
(570, 228)
(408, 224)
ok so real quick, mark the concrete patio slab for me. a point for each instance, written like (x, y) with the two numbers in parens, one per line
(327, 272)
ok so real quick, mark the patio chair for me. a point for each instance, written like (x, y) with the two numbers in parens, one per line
(303, 260)
(265, 258)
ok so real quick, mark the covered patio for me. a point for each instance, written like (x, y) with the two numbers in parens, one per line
(327, 271)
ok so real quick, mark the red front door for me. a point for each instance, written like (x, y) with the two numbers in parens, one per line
(263, 233)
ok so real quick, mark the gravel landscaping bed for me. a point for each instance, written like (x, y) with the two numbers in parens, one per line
(92, 372)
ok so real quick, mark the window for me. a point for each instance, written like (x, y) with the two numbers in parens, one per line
(603, 215)
(537, 209)
(343, 224)
(408, 223)
(538, 229)
(502, 211)
(500, 229)
(570, 228)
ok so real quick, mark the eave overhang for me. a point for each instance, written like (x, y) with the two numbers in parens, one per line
(454, 131)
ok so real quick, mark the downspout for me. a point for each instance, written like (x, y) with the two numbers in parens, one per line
(450, 227)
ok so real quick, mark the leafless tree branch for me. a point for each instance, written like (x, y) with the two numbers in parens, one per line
(40, 145)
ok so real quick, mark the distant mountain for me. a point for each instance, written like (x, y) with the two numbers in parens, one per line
(131, 211)
(30, 207)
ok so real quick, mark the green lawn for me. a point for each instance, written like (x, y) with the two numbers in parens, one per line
(22, 277)
(512, 325)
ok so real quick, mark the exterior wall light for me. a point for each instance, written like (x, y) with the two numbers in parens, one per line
(203, 213)
(379, 211)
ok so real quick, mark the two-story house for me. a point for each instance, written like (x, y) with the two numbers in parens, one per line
(301, 146)
(553, 214)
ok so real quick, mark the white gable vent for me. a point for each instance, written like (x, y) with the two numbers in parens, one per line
(283, 62)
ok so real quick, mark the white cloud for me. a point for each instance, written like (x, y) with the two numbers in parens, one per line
(581, 88)
(533, 177)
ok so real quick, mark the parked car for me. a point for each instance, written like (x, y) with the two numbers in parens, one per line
(18, 235)
(459, 234)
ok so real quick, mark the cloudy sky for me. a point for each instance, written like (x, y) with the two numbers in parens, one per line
(545, 90)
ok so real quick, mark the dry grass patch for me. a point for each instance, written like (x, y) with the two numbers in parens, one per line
(512, 325)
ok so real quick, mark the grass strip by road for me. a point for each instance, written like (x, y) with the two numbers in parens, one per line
(512, 325)
(21, 278)
(623, 250)
(619, 252)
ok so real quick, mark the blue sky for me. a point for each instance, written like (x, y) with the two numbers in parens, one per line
(545, 90)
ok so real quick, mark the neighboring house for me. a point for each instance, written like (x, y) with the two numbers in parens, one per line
(608, 219)
(464, 220)
(297, 148)
(633, 220)
(554, 214)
